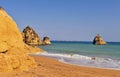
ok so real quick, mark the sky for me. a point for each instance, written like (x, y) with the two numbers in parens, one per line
(67, 20)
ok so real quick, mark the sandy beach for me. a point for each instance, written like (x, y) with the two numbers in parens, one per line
(48, 67)
(70, 26)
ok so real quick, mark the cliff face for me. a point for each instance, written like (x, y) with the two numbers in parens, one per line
(98, 40)
(9, 33)
(46, 41)
(30, 37)
(13, 51)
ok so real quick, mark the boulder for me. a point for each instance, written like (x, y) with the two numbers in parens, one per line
(13, 51)
(30, 37)
(46, 41)
(98, 40)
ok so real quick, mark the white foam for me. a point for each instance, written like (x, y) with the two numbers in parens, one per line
(76, 56)
(77, 59)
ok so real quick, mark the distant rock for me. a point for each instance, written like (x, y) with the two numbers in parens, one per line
(13, 51)
(98, 40)
(30, 37)
(46, 41)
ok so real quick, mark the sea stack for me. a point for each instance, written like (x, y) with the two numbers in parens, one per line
(30, 37)
(46, 41)
(13, 51)
(98, 40)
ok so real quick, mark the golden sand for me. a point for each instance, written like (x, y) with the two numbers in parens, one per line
(48, 67)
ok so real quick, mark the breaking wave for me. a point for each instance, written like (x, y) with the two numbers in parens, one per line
(82, 60)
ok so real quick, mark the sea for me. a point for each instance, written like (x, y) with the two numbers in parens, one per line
(82, 53)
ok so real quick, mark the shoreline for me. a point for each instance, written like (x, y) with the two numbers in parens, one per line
(68, 58)
(49, 67)
(83, 65)
(89, 66)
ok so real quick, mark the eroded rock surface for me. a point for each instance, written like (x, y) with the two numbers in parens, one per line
(30, 37)
(98, 40)
(13, 51)
(46, 41)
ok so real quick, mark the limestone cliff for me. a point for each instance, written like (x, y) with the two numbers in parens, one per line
(13, 51)
(46, 41)
(98, 40)
(30, 37)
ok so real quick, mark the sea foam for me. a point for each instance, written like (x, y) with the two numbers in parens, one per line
(82, 60)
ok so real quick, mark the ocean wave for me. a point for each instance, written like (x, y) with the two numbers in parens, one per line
(82, 60)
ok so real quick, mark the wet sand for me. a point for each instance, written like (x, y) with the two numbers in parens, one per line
(48, 67)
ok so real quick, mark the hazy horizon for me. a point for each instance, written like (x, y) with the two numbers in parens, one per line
(67, 20)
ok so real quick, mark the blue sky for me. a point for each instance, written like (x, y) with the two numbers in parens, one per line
(72, 20)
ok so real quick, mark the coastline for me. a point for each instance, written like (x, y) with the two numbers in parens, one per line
(49, 67)
(85, 54)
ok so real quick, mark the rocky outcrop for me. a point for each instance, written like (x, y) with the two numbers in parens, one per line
(30, 37)
(13, 51)
(98, 40)
(46, 41)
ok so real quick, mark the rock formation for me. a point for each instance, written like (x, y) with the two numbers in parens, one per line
(30, 37)
(13, 51)
(98, 40)
(46, 41)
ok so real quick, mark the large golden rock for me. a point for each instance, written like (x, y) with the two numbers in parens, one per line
(98, 40)
(13, 51)
(9, 32)
(30, 37)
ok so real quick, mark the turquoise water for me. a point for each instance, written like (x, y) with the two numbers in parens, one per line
(85, 53)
